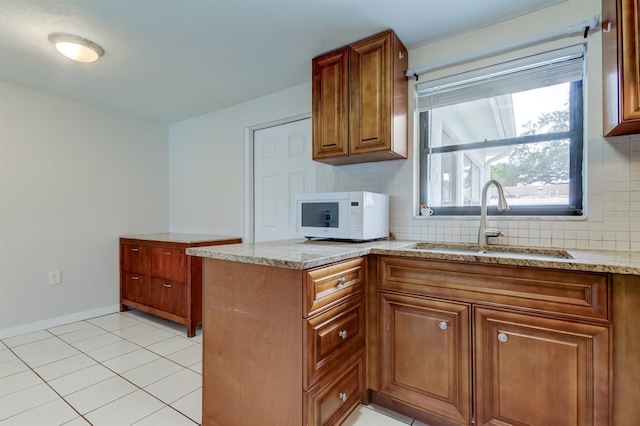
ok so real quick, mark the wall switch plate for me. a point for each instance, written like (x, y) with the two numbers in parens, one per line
(54, 277)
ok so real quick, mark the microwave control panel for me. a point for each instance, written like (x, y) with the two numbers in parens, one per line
(354, 215)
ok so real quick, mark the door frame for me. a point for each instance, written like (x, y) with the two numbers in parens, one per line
(249, 168)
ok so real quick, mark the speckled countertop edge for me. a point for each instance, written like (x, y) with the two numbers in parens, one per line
(173, 237)
(301, 254)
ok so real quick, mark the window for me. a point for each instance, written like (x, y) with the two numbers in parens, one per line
(520, 123)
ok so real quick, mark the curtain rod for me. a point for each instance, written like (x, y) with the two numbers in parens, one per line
(581, 28)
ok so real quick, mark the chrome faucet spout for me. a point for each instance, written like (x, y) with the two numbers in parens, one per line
(484, 233)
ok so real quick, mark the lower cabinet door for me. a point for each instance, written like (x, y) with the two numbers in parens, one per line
(332, 399)
(425, 355)
(540, 371)
(169, 296)
(136, 288)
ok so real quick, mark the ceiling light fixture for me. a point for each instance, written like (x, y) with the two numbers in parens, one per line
(77, 48)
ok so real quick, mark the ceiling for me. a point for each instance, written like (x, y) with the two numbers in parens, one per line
(169, 60)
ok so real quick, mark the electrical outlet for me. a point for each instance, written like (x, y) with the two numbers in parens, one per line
(54, 278)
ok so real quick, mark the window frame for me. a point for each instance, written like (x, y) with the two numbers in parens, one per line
(575, 134)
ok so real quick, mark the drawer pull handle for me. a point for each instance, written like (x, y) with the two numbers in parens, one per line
(343, 334)
(135, 277)
(342, 396)
(443, 325)
(134, 249)
(166, 285)
(341, 282)
(503, 337)
(167, 252)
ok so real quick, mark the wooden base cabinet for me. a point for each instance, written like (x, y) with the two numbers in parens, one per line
(492, 352)
(156, 276)
(281, 346)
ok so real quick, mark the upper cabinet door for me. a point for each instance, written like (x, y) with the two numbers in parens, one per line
(330, 105)
(621, 67)
(370, 91)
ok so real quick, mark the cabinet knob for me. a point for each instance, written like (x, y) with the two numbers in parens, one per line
(341, 282)
(167, 252)
(343, 334)
(443, 325)
(503, 337)
(134, 277)
(342, 396)
(166, 285)
(134, 249)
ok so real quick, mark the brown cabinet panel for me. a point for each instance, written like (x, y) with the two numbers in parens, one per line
(540, 371)
(621, 67)
(425, 355)
(330, 106)
(566, 293)
(370, 65)
(330, 285)
(169, 264)
(252, 345)
(135, 287)
(332, 337)
(331, 401)
(169, 296)
(136, 258)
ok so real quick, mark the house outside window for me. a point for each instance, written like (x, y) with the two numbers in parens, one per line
(520, 123)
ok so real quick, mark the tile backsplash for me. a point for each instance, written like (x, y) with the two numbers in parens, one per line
(612, 197)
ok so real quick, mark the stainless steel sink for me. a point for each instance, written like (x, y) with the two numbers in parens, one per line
(496, 251)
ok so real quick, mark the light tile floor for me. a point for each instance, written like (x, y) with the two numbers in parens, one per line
(121, 369)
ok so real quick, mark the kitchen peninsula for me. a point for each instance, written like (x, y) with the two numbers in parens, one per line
(302, 332)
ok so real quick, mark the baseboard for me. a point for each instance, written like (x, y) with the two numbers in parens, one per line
(55, 322)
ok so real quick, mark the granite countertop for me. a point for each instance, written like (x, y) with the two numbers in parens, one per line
(171, 237)
(302, 254)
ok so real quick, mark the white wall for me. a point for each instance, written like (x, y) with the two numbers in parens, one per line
(207, 161)
(73, 178)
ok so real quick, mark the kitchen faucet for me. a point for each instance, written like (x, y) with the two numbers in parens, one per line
(483, 232)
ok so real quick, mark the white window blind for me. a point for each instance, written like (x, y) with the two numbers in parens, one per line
(547, 69)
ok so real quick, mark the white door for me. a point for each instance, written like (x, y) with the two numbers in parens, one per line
(282, 168)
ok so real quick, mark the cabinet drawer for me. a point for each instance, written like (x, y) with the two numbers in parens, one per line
(169, 264)
(135, 258)
(330, 285)
(135, 287)
(566, 293)
(331, 401)
(332, 337)
(169, 296)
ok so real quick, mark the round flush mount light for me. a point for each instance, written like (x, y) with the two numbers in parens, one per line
(77, 48)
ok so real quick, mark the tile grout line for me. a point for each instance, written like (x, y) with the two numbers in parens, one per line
(45, 382)
(116, 373)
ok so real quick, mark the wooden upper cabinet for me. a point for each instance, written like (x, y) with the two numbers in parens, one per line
(621, 67)
(360, 96)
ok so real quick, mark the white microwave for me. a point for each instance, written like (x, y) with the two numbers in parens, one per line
(358, 216)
